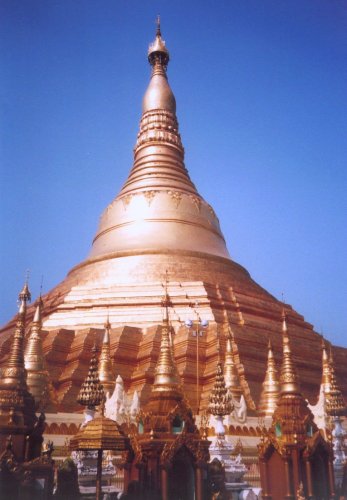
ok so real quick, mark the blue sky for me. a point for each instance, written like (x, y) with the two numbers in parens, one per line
(261, 102)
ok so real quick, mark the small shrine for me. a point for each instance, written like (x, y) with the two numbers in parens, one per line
(294, 456)
(220, 405)
(170, 456)
(26, 467)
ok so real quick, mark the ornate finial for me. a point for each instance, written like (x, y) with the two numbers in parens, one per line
(16, 358)
(288, 380)
(106, 372)
(166, 302)
(271, 388)
(92, 392)
(231, 375)
(157, 51)
(220, 403)
(325, 368)
(25, 295)
(334, 398)
(158, 26)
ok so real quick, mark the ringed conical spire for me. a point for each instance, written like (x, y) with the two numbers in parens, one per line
(289, 382)
(17, 405)
(220, 403)
(166, 378)
(270, 393)
(106, 372)
(158, 208)
(335, 403)
(92, 392)
(231, 375)
(37, 376)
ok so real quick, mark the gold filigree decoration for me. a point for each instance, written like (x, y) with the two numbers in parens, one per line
(176, 196)
(126, 200)
(149, 195)
(197, 202)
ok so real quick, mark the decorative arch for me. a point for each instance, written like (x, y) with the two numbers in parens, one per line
(182, 440)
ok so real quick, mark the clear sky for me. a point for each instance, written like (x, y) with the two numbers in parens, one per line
(261, 101)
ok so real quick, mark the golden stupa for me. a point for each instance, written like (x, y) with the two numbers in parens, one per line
(160, 223)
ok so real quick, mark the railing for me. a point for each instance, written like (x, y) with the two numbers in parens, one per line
(252, 476)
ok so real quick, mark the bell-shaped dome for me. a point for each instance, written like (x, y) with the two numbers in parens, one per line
(159, 207)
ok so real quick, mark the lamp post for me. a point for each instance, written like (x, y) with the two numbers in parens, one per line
(197, 327)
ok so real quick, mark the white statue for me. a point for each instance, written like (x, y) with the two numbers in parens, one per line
(318, 410)
(135, 407)
(115, 405)
(240, 409)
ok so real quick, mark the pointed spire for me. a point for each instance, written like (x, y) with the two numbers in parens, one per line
(38, 379)
(158, 55)
(106, 372)
(334, 398)
(16, 403)
(25, 295)
(325, 368)
(92, 392)
(220, 403)
(165, 376)
(271, 388)
(231, 375)
(16, 358)
(289, 382)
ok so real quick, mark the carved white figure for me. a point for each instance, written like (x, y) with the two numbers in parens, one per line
(318, 410)
(240, 409)
(135, 407)
(115, 405)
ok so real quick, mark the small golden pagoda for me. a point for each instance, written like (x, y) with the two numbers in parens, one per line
(335, 403)
(106, 372)
(170, 455)
(294, 450)
(271, 387)
(17, 405)
(91, 393)
(100, 434)
(231, 375)
(38, 379)
(220, 403)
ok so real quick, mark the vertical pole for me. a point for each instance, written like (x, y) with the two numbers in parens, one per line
(198, 484)
(309, 479)
(98, 475)
(332, 492)
(288, 479)
(164, 484)
(263, 478)
(197, 368)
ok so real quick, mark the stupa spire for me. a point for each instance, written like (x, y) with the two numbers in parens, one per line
(16, 403)
(334, 398)
(16, 358)
(106, 372)
(270, 393)
(231, 375)
(159, 207)
(37, 376)
(325, 368)
(289, 382)
(220, 403)
(166, 378)
(92, 392)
